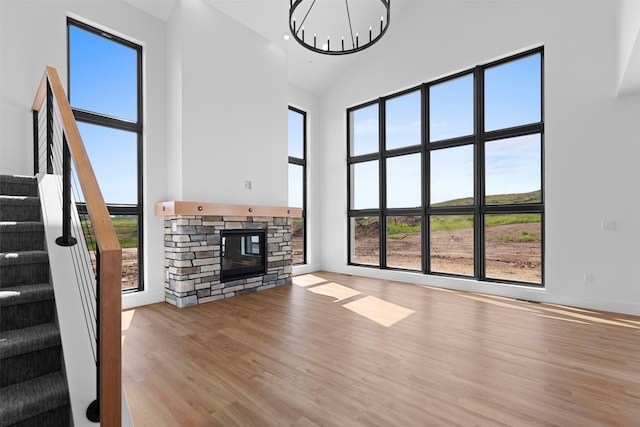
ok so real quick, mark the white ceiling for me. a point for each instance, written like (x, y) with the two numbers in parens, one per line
(269, 18)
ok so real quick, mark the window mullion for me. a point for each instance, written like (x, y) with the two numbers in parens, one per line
(479, 167)
(382, 184)
(426, 181)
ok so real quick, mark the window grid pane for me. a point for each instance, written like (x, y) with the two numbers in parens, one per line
(452, 176)
(512, 93)
(512, 168)
(297, 240)
(296, 186)
(114, 156)
(451, 109)
(452, 244)
(296, 134)
(404, 242)
(364, 181)
(514, 247)
(365, 240)
(403, 128)
(364, 130)
(403, 181)
(103, 75)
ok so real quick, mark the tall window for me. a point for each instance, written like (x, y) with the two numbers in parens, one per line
(298, 180)
(105, 93)
(446, 178)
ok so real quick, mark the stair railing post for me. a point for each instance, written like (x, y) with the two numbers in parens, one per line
(36, 143)
(66, 239)
(49, 129)
(93, 410)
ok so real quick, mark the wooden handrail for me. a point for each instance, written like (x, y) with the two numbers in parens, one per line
(110, 256)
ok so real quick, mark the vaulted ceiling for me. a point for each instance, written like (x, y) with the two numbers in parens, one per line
(316, 72)
(269, 18)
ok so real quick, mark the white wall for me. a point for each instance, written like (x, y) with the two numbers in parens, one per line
(174, 104)
(23, 56)
(629, 47)
(33, 35)
(234, 110)
(310, 103)
(591, 150)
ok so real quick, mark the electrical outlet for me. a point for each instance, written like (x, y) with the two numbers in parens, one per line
(608, 225)
(247, 185)
(587, 277)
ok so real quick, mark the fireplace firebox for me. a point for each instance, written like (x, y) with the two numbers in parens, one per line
(243, 254)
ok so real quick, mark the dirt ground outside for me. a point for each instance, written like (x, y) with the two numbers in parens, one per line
(452, 252)
(129, 268)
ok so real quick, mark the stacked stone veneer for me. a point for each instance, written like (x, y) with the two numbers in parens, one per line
(192, 246)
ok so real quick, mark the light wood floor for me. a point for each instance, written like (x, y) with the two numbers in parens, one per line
(335, 350)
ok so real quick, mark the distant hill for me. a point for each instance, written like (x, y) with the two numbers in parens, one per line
(498, 199)
(367, 227)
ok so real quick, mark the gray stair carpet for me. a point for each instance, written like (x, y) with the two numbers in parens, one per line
(33, 387)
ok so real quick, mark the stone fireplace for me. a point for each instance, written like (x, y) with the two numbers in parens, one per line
(217, 251)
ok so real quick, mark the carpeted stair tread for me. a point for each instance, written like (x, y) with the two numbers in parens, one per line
(21, 226)
(23, 257)
(21, 236)
(17, 185)
(25, 294)
(27, 399)
(19, 200)
(28, 353)
(21, 341)
(19, 208)
(23, 268)
(26, 306)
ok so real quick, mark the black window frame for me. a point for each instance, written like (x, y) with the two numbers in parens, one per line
(292, 160)
(95, 118)
(480, 209)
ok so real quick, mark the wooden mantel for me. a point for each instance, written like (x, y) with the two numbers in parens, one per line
(216, 209)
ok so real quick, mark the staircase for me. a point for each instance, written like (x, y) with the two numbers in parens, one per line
(33, 387)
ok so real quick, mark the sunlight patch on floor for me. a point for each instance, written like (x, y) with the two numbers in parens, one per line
(334, 290)
(307, 280)
(498, 303)
(564, 307)
(494, 297)
(563, 319)
(629, 321)
(435, 288)
(590, 318)
(127, 318)
(380, 311)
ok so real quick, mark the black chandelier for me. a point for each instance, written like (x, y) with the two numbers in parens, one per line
(361, 32)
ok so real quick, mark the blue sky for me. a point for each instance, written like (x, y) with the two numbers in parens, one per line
(103, 79)
(512, 98)
(296, 149)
